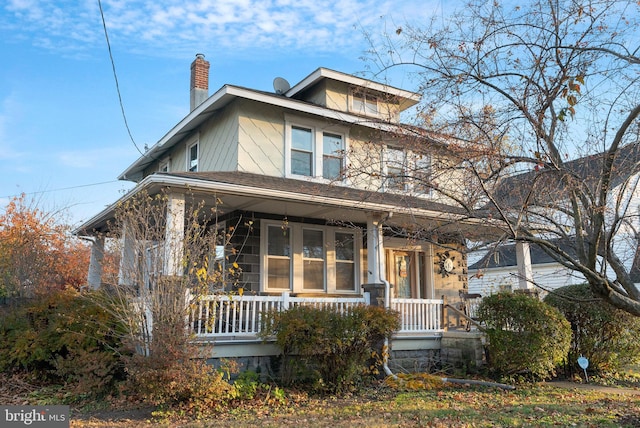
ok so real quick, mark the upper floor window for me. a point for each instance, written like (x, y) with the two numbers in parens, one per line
(192, 158)
(405, 170)
(365, 104)
(314, 152)
(165, 165)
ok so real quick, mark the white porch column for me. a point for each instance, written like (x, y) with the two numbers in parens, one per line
(525, 272)
(174, 235)
(126, 271)
(376, 266)
(94, 277)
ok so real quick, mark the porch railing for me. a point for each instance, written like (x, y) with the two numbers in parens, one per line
(419, 315)
(224, 316)
(228, 317)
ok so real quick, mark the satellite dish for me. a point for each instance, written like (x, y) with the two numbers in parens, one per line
(281, 85)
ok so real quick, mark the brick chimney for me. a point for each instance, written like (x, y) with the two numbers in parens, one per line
(199, 81)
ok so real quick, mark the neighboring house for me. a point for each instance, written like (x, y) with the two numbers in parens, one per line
(516, 266)
(497, 271)
(328, 162)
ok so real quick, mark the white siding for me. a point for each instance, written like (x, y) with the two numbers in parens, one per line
(219, 142)
(550, 276)
(261, 140)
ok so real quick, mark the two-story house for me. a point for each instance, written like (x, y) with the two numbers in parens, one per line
(328, 162)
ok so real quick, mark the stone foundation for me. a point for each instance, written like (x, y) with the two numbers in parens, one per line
(415, 361)
(462, 349)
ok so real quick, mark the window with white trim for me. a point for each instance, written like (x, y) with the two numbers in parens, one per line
(366, 104)
(314, 151)
(406, 171)
(192, 157)
(311, 259)
(165, 165)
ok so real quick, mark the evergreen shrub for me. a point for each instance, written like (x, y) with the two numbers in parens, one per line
(63, 337)
(526, 337)
(607, 336)
(334, 349)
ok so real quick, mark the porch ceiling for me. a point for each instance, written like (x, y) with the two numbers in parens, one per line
(298, 198)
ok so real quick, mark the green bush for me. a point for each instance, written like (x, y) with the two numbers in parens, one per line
(334, 347)
(525, 336)
(63, 337)
(607, 336)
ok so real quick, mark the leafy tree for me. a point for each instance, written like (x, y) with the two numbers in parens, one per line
(37, 254)
(527, 88)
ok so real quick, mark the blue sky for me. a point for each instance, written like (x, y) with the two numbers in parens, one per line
(63, 141)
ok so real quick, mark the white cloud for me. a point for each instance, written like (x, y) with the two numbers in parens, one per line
(165, 26)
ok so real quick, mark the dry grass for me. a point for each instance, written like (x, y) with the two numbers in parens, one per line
(549, 404)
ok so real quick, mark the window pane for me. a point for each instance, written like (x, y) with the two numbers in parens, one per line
(332, 144)
(312, 244)
(396, 168)
(313, 275)
(358, 103)
(422, 173)
(371, 105)
(313, 254)
(193, 158)
(301, 138)
(278, 241)
(300, 162)
(278, 276)
(395, 178)
(333, 150)
(345, 276)
(344, 246)
(332, 168)
(367, 104)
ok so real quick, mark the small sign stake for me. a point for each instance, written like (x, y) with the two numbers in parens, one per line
(584, 363)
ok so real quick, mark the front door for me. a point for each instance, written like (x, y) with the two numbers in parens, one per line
(403, 268)
(410, 273)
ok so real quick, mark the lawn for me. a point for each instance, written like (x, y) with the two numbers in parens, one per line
(450, 406)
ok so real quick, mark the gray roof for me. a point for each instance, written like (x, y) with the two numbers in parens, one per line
(311, 188)
(547, 184)
(505, 256)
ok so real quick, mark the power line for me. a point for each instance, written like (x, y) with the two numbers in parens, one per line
(115, 76)
(61, 189)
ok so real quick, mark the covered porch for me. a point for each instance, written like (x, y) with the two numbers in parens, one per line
(341, 247)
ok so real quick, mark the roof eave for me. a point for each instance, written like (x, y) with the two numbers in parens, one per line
(409, 98)
(99, 221)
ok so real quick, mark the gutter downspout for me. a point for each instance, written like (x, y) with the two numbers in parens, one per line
(385, 356)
